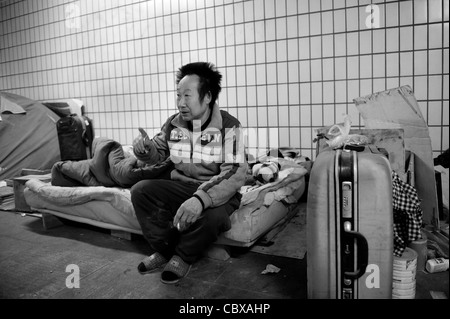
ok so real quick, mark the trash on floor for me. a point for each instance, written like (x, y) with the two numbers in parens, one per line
(438, 295)
(270, 269)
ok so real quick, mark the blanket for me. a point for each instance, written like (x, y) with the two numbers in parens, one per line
(255, 195)
(109, 166)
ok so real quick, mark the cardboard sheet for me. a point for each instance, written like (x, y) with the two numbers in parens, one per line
(398, 109)
(389, 139)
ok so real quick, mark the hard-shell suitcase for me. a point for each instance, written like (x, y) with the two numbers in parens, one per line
(350, 226)
(75, 136)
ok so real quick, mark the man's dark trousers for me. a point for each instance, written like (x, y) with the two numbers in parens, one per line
(156, 202)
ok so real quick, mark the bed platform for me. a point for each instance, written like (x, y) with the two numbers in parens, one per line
(262, 206)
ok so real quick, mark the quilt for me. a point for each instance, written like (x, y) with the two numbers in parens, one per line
(110, 207)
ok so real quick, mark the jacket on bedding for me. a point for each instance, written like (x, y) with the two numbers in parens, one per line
(109, 166)
(211, 156)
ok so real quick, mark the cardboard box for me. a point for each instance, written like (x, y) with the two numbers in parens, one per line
(19, 185)
(398, 109)
(389, 139)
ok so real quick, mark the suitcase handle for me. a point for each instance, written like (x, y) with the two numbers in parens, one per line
(363, 255)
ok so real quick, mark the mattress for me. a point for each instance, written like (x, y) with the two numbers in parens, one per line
(262, 206)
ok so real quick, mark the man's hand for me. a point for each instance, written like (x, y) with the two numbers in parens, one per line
(141, 142)
(188, 213)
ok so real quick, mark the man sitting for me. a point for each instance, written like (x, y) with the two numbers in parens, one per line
(182, 216)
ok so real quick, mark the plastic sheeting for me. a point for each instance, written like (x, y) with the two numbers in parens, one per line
(27, 139)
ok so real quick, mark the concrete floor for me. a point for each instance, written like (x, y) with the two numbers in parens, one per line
(33, 265)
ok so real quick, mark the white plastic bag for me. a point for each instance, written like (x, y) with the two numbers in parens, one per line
(343, 137)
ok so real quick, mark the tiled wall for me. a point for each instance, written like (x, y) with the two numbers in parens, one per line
(289, 66)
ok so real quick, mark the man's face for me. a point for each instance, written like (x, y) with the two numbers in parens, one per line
(188, 99)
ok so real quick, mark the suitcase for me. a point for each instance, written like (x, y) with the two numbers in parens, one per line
(350, 241)
(75, 136)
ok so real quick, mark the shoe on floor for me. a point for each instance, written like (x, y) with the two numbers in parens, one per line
(152, 263)
(175, 270)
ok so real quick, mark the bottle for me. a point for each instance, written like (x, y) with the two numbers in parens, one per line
(420, 246)
(437, 265)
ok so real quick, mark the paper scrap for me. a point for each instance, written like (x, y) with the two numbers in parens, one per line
(270, 269)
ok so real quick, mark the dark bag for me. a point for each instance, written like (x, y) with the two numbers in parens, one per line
(75, 136)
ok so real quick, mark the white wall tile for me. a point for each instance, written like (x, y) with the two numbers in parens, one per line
(281, 28)
(420, 37)
(317, 94)
(352, 19)
(281, 50)
(406, 38)
(445, 113)
(328, 69)
(340, 89)
(292, 27)
(294, 94)
(269, 52)
(340, 43)
(352, 41)
(327, 46)
(248, 11)
(446, 61)
(353, 89)
(365, 42)
(435, 61)
(446, 35)
(293, 73)
(379, 65)
(251, 96)
(406, 12)
(340, 68)
(269, 8)
(353, 67)
(406, 64)
(303, 25)
(435, 35)
(315, 24)
(292, 49)
(328, 92)
(304, 48)
(259, 31)
(305, 93)
(283, 94)
(419, 87)
(435, 87)
(339, 21)
(420, 11)
(327, 22)
(283, 117)
(316, 47)
(392, 15)
(282, 73)
(272, 95)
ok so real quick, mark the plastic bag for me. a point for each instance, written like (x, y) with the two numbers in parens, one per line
(343, 137)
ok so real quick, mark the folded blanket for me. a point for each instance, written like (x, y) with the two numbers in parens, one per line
(289, 172)
(109, 166)
(120, 198)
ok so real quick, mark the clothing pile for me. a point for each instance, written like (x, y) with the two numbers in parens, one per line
(407, 214)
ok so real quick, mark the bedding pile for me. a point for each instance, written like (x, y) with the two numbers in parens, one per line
(262, 205)
(109, 166)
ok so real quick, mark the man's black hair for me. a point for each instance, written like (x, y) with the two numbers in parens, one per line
(210, 79)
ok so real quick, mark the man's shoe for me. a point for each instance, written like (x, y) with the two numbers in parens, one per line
(175, 270)
(152, 263)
